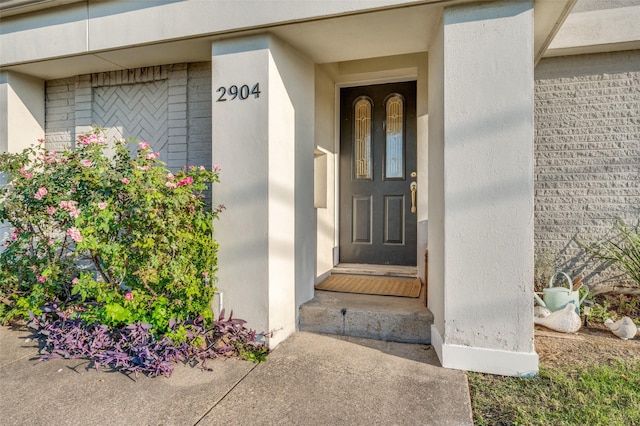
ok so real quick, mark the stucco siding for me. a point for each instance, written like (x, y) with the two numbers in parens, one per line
(587, 150)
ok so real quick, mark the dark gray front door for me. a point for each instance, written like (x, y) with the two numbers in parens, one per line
(377, 168)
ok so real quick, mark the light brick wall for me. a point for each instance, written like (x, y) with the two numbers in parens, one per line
(199, 119)
(69, 108)
(587, 150)
(60, 115)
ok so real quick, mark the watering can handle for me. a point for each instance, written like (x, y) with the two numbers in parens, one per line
(566, 276)
(586, 293)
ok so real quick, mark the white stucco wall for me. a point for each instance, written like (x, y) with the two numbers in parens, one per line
(265, 147)
(100, 26)
(21, 111)
(487, 188)
(324, 128)
(436, 278)
(21, 118)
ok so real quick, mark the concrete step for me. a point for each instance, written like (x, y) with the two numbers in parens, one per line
(379, 270)
(388, 318)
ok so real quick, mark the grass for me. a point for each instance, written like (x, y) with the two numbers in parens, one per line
(586, 395)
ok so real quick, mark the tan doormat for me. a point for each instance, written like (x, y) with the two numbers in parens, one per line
(367, 284)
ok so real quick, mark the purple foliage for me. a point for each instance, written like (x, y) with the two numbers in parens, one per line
(134, 348)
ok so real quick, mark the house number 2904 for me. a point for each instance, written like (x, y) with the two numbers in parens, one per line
(234, 92)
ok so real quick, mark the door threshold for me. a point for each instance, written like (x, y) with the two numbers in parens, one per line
(378, 270)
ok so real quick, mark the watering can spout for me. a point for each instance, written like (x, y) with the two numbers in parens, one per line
(540, 301)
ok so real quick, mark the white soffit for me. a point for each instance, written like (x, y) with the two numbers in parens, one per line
(595, 31)
(370, 34)
(548, 15)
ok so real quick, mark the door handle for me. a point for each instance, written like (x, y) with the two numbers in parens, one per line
(414, 194)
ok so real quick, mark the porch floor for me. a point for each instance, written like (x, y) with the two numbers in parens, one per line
(387, 318)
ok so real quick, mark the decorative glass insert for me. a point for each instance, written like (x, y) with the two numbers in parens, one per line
(394, 150)
(362, 140)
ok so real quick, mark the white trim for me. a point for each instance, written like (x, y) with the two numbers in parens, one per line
(484, 360)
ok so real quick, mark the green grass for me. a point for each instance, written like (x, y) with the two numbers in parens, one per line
(590, 395)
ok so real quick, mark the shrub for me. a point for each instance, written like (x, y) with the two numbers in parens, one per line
(622, 250)
(134, 349)
(119, 236)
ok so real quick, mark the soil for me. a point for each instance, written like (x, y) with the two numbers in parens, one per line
(591, 345)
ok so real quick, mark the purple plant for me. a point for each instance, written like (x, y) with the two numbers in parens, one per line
(134, 349)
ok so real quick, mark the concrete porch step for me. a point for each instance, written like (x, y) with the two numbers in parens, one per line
(379, 270)
(388, 318)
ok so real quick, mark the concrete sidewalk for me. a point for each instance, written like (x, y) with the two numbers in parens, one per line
(309, 379)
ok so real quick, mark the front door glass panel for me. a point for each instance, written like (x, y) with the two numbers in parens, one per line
(362, 139)
(394, 144)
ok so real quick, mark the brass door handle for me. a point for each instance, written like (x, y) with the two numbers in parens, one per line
(414, 194)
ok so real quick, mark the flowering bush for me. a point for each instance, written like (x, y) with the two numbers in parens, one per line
(120, 235)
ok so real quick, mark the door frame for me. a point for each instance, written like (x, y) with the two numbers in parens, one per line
(395, 76)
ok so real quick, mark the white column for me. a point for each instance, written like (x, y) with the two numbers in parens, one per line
(21, 111)
(481, 188)
(21, 116)
(264, 144)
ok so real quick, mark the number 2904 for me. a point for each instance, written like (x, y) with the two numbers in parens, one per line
(234, 92)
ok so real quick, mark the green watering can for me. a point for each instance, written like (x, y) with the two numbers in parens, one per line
(556, 298)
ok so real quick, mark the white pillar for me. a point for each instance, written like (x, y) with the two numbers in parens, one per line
(21, 116)
(21, 111)
(264, 144)
(481, 188)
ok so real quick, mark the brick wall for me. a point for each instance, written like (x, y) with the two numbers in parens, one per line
(587, 151)
(178, 95)
(199, 120)
(60, 113)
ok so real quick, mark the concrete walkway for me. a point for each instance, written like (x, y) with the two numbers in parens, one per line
(309, 379)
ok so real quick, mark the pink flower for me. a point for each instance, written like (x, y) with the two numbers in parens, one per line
(102, 206)
(145, 168)
(129, 296)
(28, 175)
(74, 281)
(86, 163)
(41, 140)
(170, 185)
(143, 145)
(51, 210)
(71, 207)
(157, 154)
(50, 242)
(22, 172)
(42, 191)
(170, 176)
(151, 156)
(216, 167)
(125, 181)
(192, 167)
(201, 168)
(186, 181)
(75, 234)
(41, 279)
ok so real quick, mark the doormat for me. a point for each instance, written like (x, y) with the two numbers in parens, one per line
(367, 284)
